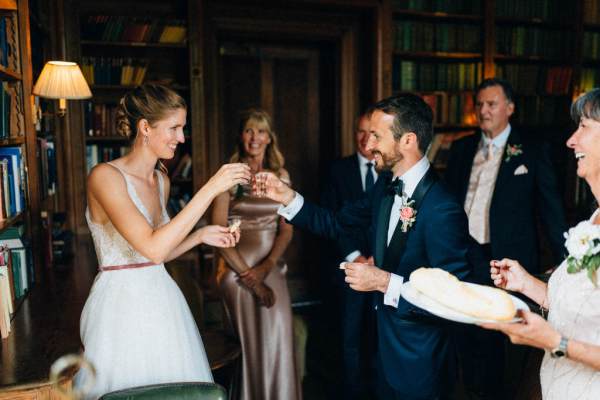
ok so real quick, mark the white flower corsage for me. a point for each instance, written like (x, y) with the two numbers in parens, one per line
(583, 244)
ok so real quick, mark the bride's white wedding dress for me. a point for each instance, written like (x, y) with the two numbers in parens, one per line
(574, 304)
(136, 326)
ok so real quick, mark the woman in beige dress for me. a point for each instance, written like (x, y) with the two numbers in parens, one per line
(571, 336)
(252, 276)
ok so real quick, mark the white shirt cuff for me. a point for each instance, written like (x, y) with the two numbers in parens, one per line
(392, 295)
(289, 212)
(352, 256)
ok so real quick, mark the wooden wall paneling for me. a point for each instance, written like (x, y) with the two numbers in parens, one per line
(348, 90)
(30, 135)
(211, 135)
(266, 93)
(74, 138)
(196, 40)
(489, 36)
(58, 51)
(383, 38)
(319, 27)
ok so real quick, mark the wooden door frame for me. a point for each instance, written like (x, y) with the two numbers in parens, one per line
(266, 55)
(341, 32)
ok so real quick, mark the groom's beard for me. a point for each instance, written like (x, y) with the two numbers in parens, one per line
(385, 162)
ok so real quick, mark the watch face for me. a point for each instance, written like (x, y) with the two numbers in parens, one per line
(558, 353)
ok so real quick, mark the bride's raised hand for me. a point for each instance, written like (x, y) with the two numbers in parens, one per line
(218, 236)
(230, 175)
(267, 184)
(508, 274)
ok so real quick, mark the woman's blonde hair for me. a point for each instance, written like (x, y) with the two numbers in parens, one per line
(149, 101)
(274, 160)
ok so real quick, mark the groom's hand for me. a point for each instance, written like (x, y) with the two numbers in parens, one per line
(366, 278)
(267, 184)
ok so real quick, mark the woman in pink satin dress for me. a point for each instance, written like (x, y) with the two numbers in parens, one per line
(252, 276)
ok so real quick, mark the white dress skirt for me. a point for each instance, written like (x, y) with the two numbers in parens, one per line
(136, 326)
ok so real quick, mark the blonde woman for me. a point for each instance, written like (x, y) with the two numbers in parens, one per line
(251, 276)
(136, 327)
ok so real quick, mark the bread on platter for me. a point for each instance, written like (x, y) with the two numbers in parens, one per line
(478, 301)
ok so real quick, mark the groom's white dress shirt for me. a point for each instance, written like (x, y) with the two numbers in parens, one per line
(410, 180)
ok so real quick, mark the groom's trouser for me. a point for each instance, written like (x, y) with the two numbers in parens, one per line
(482, 352)
(359, 342)
(386, 392)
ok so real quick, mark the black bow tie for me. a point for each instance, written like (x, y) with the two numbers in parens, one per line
(395, 187)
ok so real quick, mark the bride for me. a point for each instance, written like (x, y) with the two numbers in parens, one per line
(571, 336)
(136, 327)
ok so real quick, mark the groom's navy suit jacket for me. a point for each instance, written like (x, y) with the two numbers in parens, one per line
(414, 346)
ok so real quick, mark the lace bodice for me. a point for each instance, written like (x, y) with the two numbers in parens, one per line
(111, 247)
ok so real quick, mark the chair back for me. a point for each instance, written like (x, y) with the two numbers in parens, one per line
(170, 391)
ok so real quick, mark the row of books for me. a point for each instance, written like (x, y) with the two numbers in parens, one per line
(469, 7)
(9, 43)
(591, 45)
(16, 274)
(425, 36)
(132, 29)
(590, 78)
(547, 10)
(535, 79)
(12, 122)
(591, 12)
(97, 153)
(451, 109)
(114, 71)
(47, 166)
(526, 41)
(542, 111)
(411, 76)
(99, 119)
(12, 181)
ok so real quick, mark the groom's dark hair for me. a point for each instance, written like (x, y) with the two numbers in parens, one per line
(411, 114)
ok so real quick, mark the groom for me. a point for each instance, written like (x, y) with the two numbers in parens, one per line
(415, 351)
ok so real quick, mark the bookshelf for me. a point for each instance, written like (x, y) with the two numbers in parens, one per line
(439, 53)
(20, 190)
(118, 47)
(534, 45)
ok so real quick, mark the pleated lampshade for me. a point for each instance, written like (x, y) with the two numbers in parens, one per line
(62, 80)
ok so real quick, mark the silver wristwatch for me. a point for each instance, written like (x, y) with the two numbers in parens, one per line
(561, 350)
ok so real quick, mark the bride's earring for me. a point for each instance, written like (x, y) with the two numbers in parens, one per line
(146, 140)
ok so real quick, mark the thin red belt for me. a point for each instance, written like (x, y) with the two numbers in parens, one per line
(126, 266)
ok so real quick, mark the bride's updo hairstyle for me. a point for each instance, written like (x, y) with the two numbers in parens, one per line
(149, 101)
(586, 106)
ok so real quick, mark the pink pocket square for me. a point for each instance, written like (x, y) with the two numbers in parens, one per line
(521, 170)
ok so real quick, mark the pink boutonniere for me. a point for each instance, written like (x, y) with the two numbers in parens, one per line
(512, 150)
(408, 215)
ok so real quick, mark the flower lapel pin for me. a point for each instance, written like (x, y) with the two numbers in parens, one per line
(512, 150)
(408, 215)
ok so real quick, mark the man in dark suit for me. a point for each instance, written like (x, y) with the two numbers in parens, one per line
(349, 179)
(503, 179)
(412, 222)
